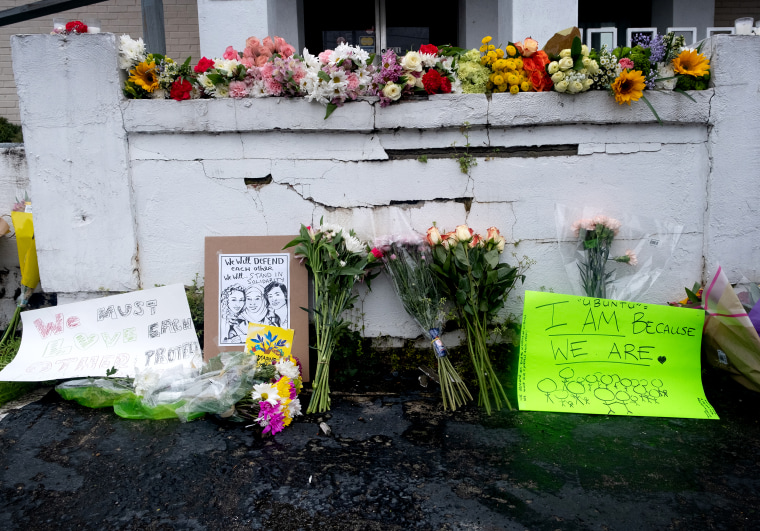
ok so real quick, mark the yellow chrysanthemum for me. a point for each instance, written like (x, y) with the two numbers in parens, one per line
(518, 63)
(499, 53)
(498, 79)
(629, 86)
(491, 47)
(283, 387)
(511, 50)
(491, 56)
(691, 63)
(483, 48)
(486, 39)
(145, 76)
(510, 64)
(512, 79)
(514, 89)
(525, 86)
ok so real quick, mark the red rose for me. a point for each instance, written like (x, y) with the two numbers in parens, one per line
(431, 81)
(445, 85)
(181, 90)
(203, 65)
(76, 26)
(429, 48)
(535, 66)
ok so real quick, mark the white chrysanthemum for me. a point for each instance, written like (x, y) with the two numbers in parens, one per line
(204, 81)
(311, 61)
(131, 52)
(429, 59)
(222, 91)
(266, 393)
(353, 244)
(226, 64)
(287, 368)
(294, 408)
(258, 89)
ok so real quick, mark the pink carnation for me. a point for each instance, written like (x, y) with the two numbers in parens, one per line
(238, 89)
(626, 63)
(353, 82)
(324, 57)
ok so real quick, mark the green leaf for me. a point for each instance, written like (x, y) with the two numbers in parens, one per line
(323, 75)
(461, 255)
(330, 109)
(575, 49)
(578, 64)
(293, 242)
(492, 258)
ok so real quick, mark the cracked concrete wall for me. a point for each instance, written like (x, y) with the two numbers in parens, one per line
(262, 167)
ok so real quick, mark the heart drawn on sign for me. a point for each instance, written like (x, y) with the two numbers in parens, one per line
(85, 341)
(661, 359)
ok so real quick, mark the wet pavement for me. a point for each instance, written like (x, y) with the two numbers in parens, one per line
(394, 460)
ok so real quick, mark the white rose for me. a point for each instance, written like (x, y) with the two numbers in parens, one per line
(412, 61)
(584, 49)
(565, 53)
(665, 70)
(593, 67)
(587, 83)
(392, 91)
(575, 87)
(566, 63)
(559, 76)
(553, 67)
(411, 81)
(561, 86)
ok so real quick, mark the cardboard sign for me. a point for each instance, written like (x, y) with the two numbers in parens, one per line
(586, 355)
(269, 344)
(252, 280)
(133, 330)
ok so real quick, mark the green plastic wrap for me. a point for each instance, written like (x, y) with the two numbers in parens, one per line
(95, 392)
(134, 408)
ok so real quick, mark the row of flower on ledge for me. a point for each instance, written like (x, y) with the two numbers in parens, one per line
(272, 68)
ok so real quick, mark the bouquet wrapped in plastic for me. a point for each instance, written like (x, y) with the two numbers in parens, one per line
(407, 262)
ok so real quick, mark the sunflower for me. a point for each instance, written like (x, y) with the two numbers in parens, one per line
(629, 86)
(145, 76)
(691, 63)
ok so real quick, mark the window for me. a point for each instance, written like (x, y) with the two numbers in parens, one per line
(381, 24)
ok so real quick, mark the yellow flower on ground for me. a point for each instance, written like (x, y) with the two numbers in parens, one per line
(629, 86)
(691, 63)
(145, 76)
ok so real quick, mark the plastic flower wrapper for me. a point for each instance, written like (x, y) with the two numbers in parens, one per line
(336, 259)
(27, 258)
(611, 259)
(407, 262)
(470, 273)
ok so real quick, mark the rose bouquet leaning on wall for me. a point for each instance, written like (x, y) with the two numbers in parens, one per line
(336, 259)
(468, 268)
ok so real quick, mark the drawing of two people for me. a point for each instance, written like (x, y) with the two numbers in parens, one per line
(240, 306)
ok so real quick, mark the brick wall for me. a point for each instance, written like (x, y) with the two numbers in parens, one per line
(726, 11)
(116, 16)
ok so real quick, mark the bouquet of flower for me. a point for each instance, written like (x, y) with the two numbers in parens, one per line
(472, 74)
(336, 259)
(224, 79)
(573, 71)
(280, 76)
(277, 400)
(596, 237)
(407, 262)
(390, 83)
(507, 73)
(467, 268)
(153, 75)
(336, 76)
(434, 72)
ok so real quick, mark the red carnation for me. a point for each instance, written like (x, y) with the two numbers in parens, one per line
(76, 26)
(203, 65)
(431, 81)
(181, 90)
(445, 85)
(429, 48)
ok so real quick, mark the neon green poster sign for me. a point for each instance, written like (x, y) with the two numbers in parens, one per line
(599, 356)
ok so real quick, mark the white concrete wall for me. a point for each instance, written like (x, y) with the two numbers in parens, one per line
(14, 182)
(223, 23)
(539, 19)
(181, 175)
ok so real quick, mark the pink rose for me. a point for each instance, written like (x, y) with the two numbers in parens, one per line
(261, 60)
(230, 53)
(252, 42)
(248, 62)
(492, 234)
(433, 236)
(324, 57)
(529, 47)
(269, 45)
